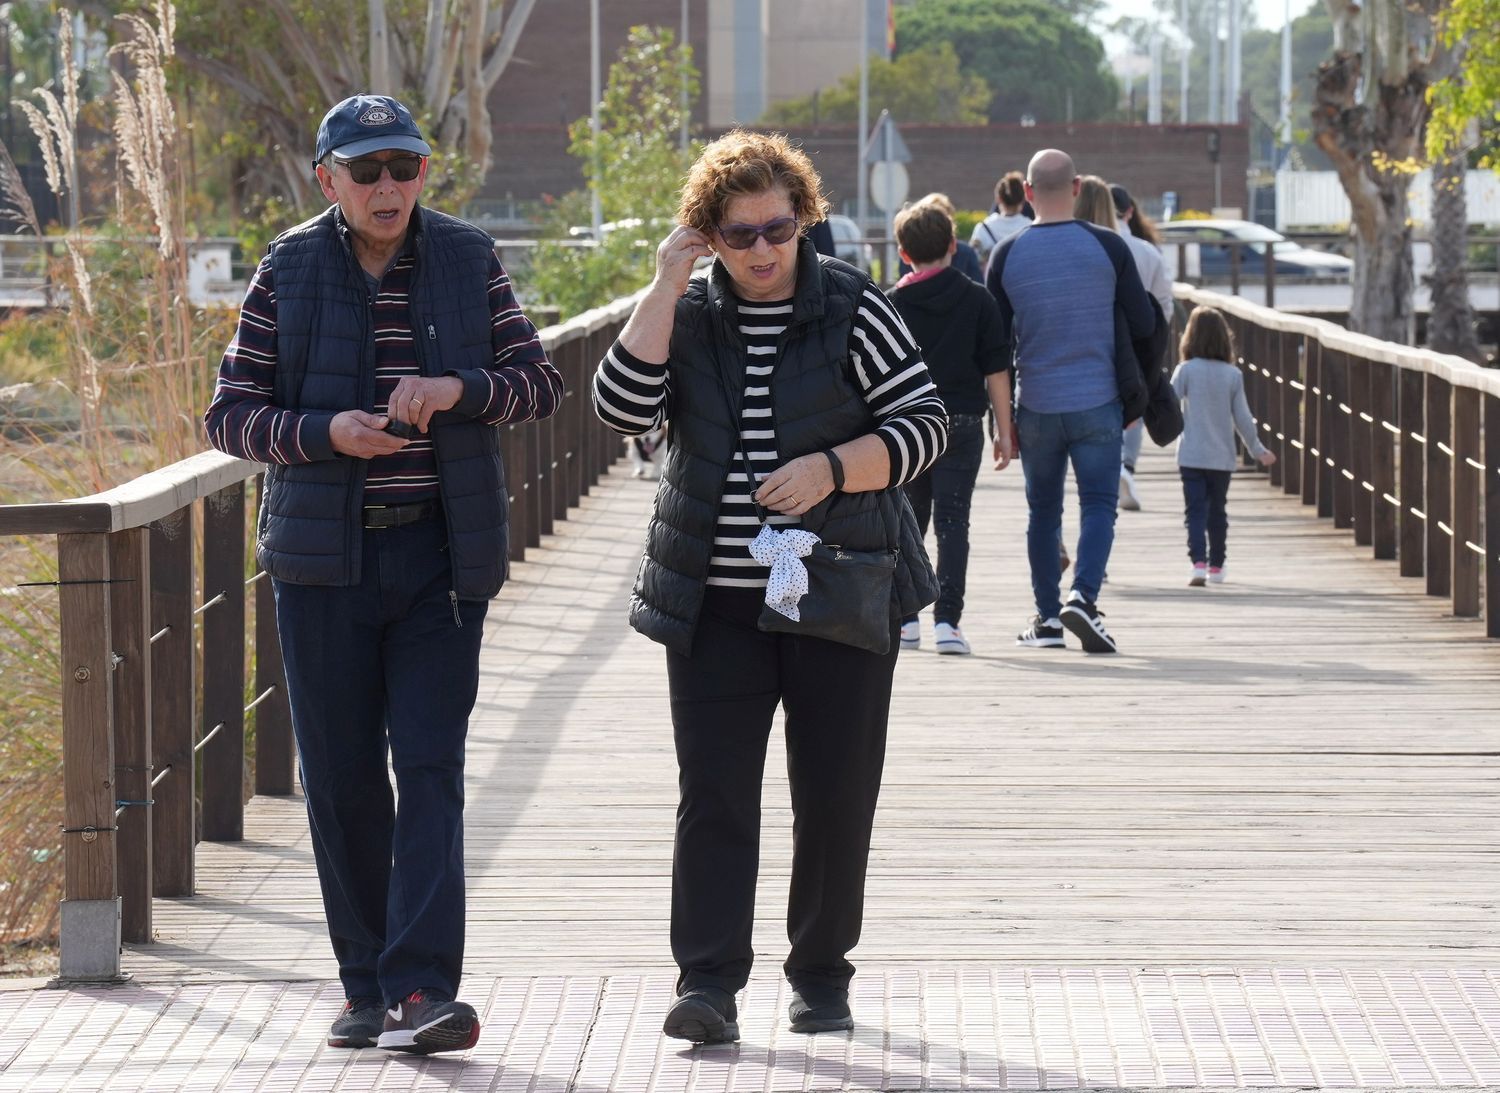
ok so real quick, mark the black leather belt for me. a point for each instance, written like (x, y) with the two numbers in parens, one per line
(395, 516)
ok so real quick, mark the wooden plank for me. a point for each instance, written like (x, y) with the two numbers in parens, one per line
(223, 756)
(1411, 548)
(88, 716)
(1216, 793)
(1468, 499)
(1438, 401)
(174, 818)
(1340, 435)
(130, 634)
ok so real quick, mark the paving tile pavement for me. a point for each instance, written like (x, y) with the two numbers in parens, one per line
(960, 1028)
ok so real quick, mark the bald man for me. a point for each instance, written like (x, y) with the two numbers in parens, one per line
(1058, 283)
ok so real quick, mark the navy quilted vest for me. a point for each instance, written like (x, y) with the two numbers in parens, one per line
(310, 525)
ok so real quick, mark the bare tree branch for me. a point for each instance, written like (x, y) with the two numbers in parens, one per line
(380, 50)
(520, 12)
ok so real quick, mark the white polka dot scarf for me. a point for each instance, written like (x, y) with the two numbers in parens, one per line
(783, 551)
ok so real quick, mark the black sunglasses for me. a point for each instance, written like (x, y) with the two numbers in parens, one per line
(743, 236)
(367, 170)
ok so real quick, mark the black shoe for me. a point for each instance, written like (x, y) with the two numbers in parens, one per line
(1084, 619)
(358, 1024)
(1042, 634)
(820, 1009)
(704, 1015)
(425, 1021)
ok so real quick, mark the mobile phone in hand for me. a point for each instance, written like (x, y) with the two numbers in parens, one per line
(398, 428)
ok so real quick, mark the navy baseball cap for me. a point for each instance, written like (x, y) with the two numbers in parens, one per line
(362, 124)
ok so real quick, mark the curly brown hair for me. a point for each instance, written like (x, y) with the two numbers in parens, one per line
(741, 164)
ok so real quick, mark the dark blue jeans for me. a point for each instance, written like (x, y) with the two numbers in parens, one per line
(385, 667)
(943, 494)
(1090, 439)
(1205, 495)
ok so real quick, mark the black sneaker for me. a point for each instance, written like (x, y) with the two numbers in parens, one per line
(704, 1015)
(1042, 634)
(1084, 619)
(425, 1021)
(358, 1024)
(820, 1009)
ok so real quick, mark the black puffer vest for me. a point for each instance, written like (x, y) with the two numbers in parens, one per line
(815, 404)
(310, 520)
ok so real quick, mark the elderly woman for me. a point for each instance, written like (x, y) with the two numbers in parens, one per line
(794, 390)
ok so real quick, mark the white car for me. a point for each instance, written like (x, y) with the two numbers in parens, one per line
(1208, 252)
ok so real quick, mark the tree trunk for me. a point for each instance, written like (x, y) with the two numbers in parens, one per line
(380, 50)
(1450, 327)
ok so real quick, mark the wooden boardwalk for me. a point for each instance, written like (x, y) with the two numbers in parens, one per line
(1275, 811)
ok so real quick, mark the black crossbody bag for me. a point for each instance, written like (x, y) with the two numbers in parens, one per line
(848, 596)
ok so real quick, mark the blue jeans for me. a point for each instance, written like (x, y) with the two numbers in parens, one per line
(943, 494)
(1090, 439)
(384, 666)
(1205, 495)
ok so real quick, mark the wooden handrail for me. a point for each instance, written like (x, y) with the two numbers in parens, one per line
(139, 724)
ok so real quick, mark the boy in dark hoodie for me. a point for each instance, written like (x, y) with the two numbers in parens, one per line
(957, 324)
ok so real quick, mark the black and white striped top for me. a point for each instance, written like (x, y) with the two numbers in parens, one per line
(633, 397)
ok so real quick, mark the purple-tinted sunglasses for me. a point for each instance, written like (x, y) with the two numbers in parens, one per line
(743, 236)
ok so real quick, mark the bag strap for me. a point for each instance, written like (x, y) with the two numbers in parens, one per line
(739, 444)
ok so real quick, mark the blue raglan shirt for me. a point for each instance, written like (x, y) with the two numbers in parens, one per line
(1057, 285)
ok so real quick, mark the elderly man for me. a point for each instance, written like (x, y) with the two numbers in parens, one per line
(378, 350)
(1058, 284)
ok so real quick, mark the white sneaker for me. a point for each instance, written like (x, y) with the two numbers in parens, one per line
(911, 635)
(1129, 500)
(1199, 577)
(950, 639)
(1216, 574)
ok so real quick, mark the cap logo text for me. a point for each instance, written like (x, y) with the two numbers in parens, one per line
(377, 115)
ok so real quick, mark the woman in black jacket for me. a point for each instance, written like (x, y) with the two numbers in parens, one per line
(794, 391)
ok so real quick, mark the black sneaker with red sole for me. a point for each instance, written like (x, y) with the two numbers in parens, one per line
(424, 1022)
(358, 1024)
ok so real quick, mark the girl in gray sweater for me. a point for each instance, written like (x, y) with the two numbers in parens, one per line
(1214, 408)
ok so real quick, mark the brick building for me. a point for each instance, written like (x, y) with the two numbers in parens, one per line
(963, 161)
(546, 86)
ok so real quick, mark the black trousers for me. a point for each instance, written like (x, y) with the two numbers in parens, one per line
(724, 696)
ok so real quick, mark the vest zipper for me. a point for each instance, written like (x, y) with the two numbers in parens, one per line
(453, 599)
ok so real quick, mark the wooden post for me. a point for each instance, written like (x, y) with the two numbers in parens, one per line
(532, 497)
(1270, 276)
(129, 623)
(1412, 538)
(1383, 459)
(570, 424)
(1357, 394)
(90, 930)
(1308, 349)
(546, 476)
(174, 820)
(1492, 516)
(1467, 494)
(222, 742)
(275, 750)
(1327, 412)
(1293, 426)
(1439, 415)
(1338, 435)
(512, 458)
